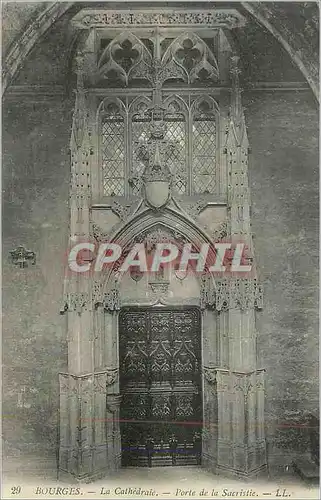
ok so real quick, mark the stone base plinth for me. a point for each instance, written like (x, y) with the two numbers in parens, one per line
(89, 441)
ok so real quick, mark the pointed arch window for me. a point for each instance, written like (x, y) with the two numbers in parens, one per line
(204, 146)
(113, 149)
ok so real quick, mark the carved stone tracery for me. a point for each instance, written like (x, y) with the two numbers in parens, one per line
(125, 58)
(189, 58)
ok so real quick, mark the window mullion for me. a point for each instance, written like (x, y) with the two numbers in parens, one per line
(128, 153)
(190, 150)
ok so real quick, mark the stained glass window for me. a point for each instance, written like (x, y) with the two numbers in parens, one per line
(176, 152)
(202, 140)
(113, 152)
(204, 149)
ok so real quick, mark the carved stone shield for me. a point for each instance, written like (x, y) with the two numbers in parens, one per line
(157, 193)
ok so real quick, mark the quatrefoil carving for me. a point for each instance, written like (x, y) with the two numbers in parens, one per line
(125, 58)
(189, 57)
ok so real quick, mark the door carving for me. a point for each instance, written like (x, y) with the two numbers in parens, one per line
(160, 383)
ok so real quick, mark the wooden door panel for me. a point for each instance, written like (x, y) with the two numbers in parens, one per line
(161, 410)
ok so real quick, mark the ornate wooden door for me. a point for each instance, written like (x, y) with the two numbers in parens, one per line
(160, 383)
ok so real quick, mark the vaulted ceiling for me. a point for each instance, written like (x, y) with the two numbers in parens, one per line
(279, 42)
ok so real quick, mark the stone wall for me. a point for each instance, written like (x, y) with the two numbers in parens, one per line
(35, 214)
(283, 134)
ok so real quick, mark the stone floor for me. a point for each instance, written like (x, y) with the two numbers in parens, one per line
(36, 475)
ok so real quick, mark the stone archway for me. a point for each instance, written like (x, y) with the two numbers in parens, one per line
(232, 434)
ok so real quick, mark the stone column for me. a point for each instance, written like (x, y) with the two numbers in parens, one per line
(83, 389)
(241, 443)
(210, 362)
(113, 396)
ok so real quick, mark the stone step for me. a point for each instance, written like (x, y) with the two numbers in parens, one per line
(306, 469)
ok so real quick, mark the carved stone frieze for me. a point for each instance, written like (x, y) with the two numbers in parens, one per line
(231, 293)
(230, 381)
(76, 301)
(245, 294)
(84, 384)
(101, 18)
(159, 288)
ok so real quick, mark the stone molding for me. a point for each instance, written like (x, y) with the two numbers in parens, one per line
(97, 382)
(101, 18)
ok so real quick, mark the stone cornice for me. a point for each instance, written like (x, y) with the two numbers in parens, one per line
(40, 94)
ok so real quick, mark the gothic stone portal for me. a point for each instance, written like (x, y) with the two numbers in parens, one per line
(206, 199)
(160, 384)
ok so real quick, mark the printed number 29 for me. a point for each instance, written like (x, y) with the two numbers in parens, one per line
(15, 490)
